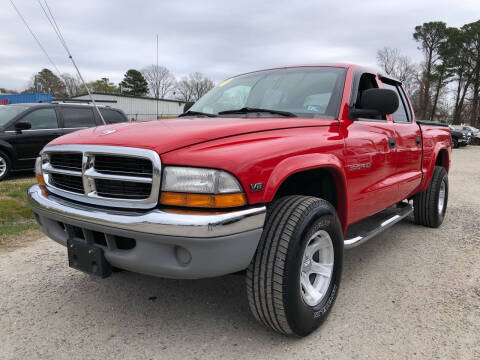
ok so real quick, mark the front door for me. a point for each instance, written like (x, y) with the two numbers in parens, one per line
(29, 143)
(370, 158)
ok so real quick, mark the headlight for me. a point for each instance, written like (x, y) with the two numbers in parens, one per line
(197, 187)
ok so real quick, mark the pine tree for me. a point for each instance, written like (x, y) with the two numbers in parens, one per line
(134, 83)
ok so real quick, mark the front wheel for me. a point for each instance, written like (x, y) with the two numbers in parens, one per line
(294, 277)
(430, 205)
(4, 165)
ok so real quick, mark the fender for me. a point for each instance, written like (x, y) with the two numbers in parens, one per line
(300, 163)
(429, 161)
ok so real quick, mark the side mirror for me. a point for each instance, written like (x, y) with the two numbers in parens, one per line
(22, 125)
(376, 102)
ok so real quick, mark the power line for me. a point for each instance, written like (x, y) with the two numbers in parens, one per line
(36, 39)
(56, 29)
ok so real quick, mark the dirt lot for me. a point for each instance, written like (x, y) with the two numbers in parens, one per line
(410, 293)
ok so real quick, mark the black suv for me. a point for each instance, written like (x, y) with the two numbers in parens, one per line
(26, 128)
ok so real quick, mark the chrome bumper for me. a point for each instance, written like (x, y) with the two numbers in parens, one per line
(152, 222)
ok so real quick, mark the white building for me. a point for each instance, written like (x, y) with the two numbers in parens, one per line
(139, 107)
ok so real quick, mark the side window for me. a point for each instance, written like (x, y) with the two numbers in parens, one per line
(113, 116)
(367, 81)
(405, 102)
(41, 119)
(77, 117)
(401, 114)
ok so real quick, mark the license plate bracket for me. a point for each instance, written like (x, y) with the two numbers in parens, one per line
(88, 258)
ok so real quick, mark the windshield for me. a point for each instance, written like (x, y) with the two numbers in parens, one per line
(304, 91)
(7, 113)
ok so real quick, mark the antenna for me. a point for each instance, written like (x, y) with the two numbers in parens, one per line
(57, 31)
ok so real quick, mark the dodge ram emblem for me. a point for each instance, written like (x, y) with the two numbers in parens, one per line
(106, 132)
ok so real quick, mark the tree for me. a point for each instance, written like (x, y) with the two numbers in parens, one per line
(193, 87)
(430, 36)
(6, 91)
(134, 83)
(104, 85)
(398, 66)
(472, 47)
(160, 80)
(47, 81)
(72, 84)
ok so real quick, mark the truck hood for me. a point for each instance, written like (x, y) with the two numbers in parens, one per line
(166, 135)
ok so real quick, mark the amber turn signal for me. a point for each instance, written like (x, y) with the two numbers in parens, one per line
(203, 200)
(40, 179)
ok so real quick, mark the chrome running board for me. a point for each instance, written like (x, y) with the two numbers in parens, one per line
(365, 229)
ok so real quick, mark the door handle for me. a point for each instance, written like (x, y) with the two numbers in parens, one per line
(391, 143)
(417, 140)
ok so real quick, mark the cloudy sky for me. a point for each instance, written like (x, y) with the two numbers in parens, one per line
(218, 38)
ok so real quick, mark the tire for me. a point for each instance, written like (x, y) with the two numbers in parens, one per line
(5, 165)
(455, 143)
(276, 295)
(429, 210)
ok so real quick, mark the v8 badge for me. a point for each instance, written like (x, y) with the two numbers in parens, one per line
(256, 187)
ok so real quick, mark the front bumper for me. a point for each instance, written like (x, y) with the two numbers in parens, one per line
(165, 244)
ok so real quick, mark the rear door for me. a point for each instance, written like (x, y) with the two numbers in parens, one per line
(76, 118)
(408, 154)
(29, 143)
(370, 156)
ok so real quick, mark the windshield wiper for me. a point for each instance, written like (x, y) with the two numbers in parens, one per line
(246, 110)
(190, 112)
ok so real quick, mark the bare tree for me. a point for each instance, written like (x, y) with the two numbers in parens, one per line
(160, 80)
(399, 66)
(72, 84)
(193, 87)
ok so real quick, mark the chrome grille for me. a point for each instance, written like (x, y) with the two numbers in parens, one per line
(103, 175)
(67, 182)
(123, 166)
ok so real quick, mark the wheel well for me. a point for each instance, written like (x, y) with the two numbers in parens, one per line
(442, 159)
(317, 182)
(7, 152)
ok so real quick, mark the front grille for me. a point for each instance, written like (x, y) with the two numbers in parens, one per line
(120, 165)
(67, 161)
(67, 182)
(111, 176)
(122, 189)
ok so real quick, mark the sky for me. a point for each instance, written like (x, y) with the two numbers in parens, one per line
(218, 38)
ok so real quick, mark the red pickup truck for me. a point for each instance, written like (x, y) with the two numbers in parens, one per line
(273, 173)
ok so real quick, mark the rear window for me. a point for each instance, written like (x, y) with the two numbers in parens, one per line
(78, 117)
(113, 116)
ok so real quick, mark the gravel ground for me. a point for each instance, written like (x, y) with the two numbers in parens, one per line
(412, 292)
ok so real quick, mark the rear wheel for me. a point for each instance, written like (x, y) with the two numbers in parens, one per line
(455, 143)
(293, 279)
(5, 165)
(430, 205)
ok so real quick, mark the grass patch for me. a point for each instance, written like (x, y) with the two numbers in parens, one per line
(16, 217)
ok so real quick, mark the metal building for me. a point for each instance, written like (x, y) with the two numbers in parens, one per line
(140, 107)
